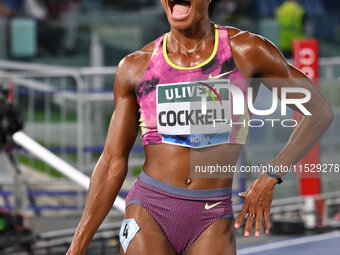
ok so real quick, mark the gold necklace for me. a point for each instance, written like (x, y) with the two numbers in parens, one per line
(193, 50)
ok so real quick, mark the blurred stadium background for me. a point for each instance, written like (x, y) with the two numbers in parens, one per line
(60, 57)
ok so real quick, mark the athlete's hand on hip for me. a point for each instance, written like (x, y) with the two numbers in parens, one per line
(258, 199)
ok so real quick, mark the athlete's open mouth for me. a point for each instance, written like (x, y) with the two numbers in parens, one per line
(180, 9)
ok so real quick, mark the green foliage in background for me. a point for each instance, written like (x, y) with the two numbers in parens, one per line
(55, 116)
(39, 166)
(2, 224)
(137, 170)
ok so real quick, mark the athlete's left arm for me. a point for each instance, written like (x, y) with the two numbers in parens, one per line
(266, 62)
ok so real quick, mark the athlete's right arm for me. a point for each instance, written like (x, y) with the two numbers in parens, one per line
(110, 171)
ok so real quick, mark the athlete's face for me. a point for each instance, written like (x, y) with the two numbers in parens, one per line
(183, 14)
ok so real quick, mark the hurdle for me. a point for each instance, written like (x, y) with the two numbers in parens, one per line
(20, 138)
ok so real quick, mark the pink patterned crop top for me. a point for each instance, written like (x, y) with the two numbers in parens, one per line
(197, 106)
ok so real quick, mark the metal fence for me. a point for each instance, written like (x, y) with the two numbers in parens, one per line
(68, 111)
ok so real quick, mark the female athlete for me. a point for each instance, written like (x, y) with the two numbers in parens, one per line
(168, 211)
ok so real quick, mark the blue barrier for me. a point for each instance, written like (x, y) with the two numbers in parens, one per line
(36, 193)
(6, 207)
(53, 207)
(93, 149)
(5, 193)
(26, 91)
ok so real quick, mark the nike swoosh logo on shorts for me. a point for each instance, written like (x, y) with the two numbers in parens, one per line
(207, 207)
(219, 76)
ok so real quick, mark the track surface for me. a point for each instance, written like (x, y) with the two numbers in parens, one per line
(326, 244)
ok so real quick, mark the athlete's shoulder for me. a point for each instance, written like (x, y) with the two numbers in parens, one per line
(140, 57)
(254, 53)
(132, 67)
(247, 41)
(251, 45)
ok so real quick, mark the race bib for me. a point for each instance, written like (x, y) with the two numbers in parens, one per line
(189, 114)
(128, 230)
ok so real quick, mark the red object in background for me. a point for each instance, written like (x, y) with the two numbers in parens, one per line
(10, 92)
(306, 58)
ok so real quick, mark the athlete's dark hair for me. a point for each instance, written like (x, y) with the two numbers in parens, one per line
(212, 7)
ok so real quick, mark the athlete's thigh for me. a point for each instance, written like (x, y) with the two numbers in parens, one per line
(149, 240)
(217, 239)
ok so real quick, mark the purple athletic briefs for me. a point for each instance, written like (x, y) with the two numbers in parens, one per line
(183, 214)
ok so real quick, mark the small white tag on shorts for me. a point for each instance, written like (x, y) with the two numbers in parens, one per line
(128, 230)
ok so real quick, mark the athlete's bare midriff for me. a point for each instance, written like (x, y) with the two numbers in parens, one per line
(171, 164)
